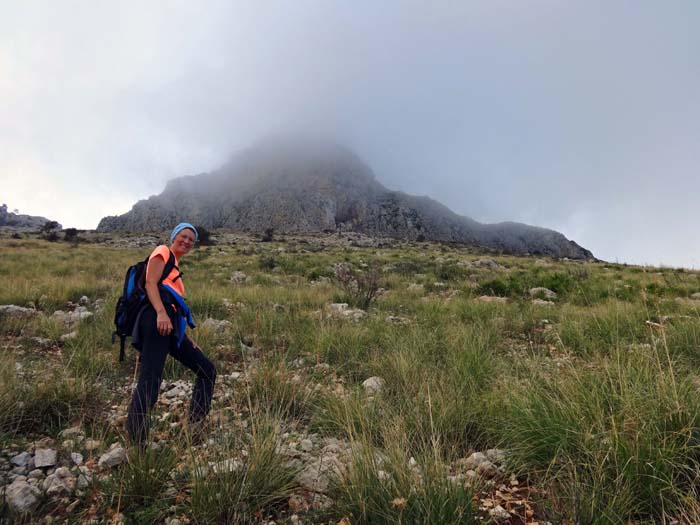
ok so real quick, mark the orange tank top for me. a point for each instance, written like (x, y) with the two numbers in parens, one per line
(164, 253)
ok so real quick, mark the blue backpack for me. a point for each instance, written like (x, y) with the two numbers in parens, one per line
(133, 299)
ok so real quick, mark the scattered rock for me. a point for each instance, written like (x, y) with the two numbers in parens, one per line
(76, 457)
(84, 477)
(226, 466)
(92, 444)
(472, 461)
(317, 475)
(492, 299)
(373, 385)
(487, 469)
(542, 292)
(72, 319)
(12, 311)
(176, 391)
(22, 498)
(499, 513)
(42, 341)
(45, 457)
(397, 319)
(72, 433)
(68, 336)
(496, 455)
(542, 302)
(383, 476)
(37, 473)
(343, 311)
(115, 456)
(486, 263)
(217, 325)
(239, 277)
(21, 459)
(60, 483)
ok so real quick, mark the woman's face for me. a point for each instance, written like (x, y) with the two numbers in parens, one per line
(183, 242)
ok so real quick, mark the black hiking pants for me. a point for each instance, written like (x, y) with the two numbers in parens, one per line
(155, 348)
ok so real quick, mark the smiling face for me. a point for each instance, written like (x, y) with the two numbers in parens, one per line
(183, 242)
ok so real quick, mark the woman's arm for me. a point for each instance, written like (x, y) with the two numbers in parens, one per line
(155, 270)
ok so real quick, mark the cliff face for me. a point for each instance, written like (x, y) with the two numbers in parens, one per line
(305, 188)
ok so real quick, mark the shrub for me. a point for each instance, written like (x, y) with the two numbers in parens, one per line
(360, 287)
(50, 226)
(267, 235)
(70, 235)
(204, 236)
(267, 262)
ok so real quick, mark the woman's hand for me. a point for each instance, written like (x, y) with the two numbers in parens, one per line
(163, 324)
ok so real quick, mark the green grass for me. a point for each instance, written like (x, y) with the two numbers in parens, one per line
(594, 398)
(230, 489)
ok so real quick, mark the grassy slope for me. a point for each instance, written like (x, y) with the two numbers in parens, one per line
(597, 408)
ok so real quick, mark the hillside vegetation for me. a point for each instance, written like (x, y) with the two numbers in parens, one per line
(472, 388)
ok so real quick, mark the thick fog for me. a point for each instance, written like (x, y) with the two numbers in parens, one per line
(583, 117)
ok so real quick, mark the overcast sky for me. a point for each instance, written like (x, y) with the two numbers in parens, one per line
(583, 117)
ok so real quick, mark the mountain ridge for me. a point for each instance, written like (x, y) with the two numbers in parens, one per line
(296, 187)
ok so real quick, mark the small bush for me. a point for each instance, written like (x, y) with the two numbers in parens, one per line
(359, 287)
(267, 235)
(267, 262)
(450, 272)
(204, 236)
(50, 226)
(70, 235)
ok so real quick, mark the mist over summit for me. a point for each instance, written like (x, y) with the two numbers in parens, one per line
(311, 186)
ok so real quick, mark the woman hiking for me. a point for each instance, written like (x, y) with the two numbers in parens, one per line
(160, 330)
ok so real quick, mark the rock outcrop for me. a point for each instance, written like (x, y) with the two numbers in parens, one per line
(298, 187)
(21, 222)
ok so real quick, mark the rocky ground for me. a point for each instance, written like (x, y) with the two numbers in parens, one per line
(313, 386)
(57, 475)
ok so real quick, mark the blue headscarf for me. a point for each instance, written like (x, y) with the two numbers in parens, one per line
(183, 226)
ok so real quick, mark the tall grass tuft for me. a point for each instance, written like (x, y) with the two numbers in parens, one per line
(140, 487)
(231, 488)
(390, 486)
(617, 440)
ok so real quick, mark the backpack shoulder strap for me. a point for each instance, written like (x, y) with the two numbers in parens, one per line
(169, 266)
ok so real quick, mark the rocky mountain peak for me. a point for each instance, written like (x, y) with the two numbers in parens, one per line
(303, 185)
